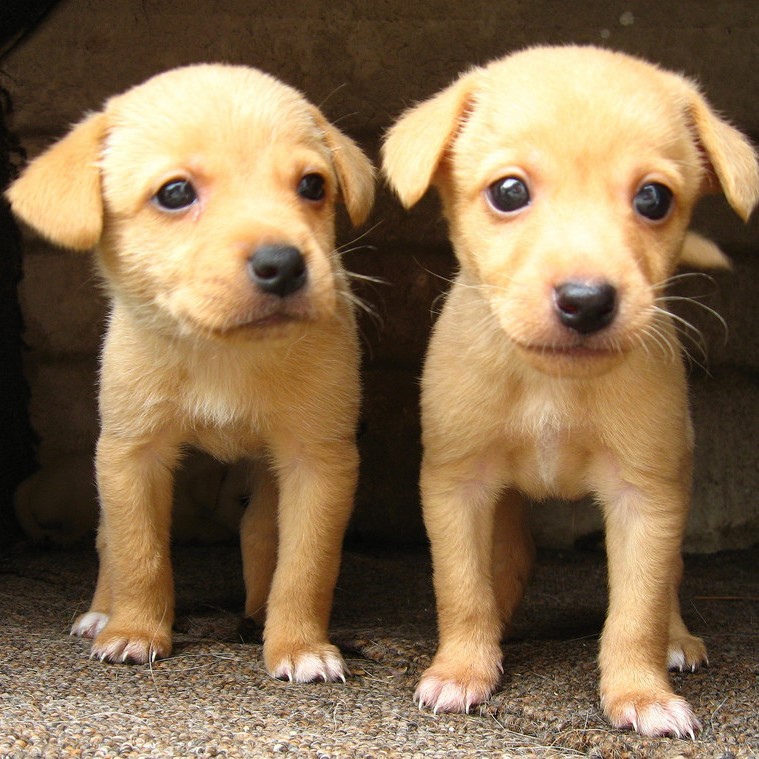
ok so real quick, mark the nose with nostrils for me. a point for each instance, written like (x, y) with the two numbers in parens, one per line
(278, 269)
(585, 307)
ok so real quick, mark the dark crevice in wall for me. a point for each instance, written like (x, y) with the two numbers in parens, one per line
(17, 439)
(18, 18)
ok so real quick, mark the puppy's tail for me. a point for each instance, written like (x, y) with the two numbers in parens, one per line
(700, 253)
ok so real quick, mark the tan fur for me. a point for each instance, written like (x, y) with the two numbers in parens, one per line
(196, 354)
(515, 403)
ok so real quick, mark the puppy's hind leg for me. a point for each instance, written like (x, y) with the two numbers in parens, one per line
(90, 624)
(513, 553)
(258, 539)
(685, 652)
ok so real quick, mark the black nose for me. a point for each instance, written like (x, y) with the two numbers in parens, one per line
(585, 307)
(278, 269)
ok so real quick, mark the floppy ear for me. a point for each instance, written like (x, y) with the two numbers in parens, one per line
(59, 194)
(355, 172)
(701, 253)
(733, 160)
(416, 143)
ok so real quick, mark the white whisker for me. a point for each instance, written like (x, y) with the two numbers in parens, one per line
(655, 333)
(686, 330)
(361, 305)
(678, 278)
(691, 338)
(367, 278)
(351, 247)
(695, 302)
(688, 336)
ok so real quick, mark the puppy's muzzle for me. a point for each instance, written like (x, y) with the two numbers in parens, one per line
(278, 269)
(585, 307)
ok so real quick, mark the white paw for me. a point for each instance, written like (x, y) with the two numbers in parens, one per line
(670, 716)
(89, 625)
(452, 695)
(119, 650)
(326, 665)
(686, 654)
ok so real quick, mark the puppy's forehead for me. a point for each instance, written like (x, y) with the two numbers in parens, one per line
(184, 109)
(576, 99)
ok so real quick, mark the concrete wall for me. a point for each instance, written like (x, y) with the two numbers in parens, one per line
(364, 62)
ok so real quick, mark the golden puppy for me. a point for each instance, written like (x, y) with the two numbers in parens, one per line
(567, 176)
(209, 192)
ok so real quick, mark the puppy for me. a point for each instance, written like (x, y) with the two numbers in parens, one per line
(567, 176)
(209, 192)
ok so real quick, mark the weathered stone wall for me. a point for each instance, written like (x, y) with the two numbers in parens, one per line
(363, 62)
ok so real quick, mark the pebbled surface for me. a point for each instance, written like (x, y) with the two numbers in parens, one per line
(214, 696)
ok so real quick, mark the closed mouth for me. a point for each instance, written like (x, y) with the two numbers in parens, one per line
(256, 325)
(578, 352)
(273, 322)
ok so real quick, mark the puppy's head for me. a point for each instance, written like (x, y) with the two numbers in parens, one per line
(209, 192)
(568, 177)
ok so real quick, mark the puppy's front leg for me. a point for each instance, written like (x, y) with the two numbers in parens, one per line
(643, 534)
(316, 489)
(459, 516)
(135, 578)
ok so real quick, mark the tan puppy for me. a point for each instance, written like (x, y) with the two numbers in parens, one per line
(209, 192)
(567, 176)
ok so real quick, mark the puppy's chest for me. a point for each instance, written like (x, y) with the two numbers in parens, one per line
(225, 410)
(548, 445)
(224, 424)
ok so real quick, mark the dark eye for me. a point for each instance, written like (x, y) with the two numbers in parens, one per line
(653, 201)
(508, 195)
(175, 195)
(311, 187)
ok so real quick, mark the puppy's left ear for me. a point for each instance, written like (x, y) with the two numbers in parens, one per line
(355, 172)
(733, 160)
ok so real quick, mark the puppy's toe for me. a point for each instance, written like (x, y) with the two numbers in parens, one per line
(307, 665)
(653, 715)
(89, 625)
(686, 653)
(449, 695)
(445, 689)
(130, 647)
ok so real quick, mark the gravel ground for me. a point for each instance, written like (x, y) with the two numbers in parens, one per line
(213, 698)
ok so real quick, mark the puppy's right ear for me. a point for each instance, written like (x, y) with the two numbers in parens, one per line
(415, 145)
(59, 193)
